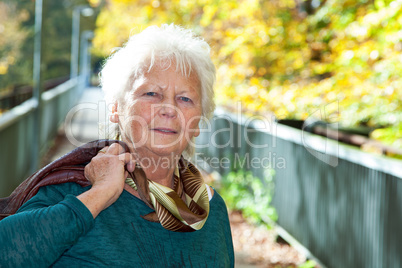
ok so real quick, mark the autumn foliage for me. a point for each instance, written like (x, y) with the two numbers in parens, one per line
(289, 57)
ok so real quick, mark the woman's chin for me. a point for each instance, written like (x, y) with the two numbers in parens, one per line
(165, 150)
(157, 148)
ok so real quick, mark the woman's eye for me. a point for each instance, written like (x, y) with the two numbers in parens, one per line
(151, 94)
(185, 99)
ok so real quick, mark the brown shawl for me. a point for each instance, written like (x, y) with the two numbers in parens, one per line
(68, 168)
(170, 210)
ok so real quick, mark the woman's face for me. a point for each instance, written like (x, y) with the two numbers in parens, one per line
(160, 114)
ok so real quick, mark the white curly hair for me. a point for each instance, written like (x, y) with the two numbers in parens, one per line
(166, 44)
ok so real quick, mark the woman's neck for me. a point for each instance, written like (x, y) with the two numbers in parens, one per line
(159, 169)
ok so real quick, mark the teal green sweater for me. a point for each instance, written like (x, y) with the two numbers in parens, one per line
(55, 229)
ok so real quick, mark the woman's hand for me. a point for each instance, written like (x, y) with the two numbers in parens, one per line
(107, 175)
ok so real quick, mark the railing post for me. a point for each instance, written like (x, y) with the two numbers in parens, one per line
(85, 59)
(37, 83)
(75, 36)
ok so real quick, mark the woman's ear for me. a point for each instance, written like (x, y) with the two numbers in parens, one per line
(114, 117)
(197, 131)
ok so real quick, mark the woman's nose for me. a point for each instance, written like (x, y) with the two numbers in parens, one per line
(168, 110)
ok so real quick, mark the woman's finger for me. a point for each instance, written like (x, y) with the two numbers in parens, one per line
(125, 157)
(130, 165)
(115, 149)
(103, 150)
(128, 161)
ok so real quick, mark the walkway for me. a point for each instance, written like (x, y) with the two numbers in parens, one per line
(81, 124)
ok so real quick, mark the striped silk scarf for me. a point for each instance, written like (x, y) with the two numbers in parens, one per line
(171, 211)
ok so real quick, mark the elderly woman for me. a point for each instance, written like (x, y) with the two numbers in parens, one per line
(145, 205)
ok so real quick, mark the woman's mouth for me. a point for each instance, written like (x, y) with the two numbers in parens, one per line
(164, 130)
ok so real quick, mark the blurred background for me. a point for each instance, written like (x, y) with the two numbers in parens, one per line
(286, 57)
(331, 68)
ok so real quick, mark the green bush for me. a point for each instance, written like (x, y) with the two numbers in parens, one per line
(251, 195)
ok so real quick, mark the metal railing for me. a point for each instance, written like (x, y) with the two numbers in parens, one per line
(18, 124)
(343, 204)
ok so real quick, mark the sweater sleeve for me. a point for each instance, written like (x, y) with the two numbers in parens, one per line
(43, 228)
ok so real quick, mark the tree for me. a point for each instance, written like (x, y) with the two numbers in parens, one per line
(17, 20)
(289, 57)
(12, 39)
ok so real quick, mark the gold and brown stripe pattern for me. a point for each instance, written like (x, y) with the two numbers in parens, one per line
(182, 209)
